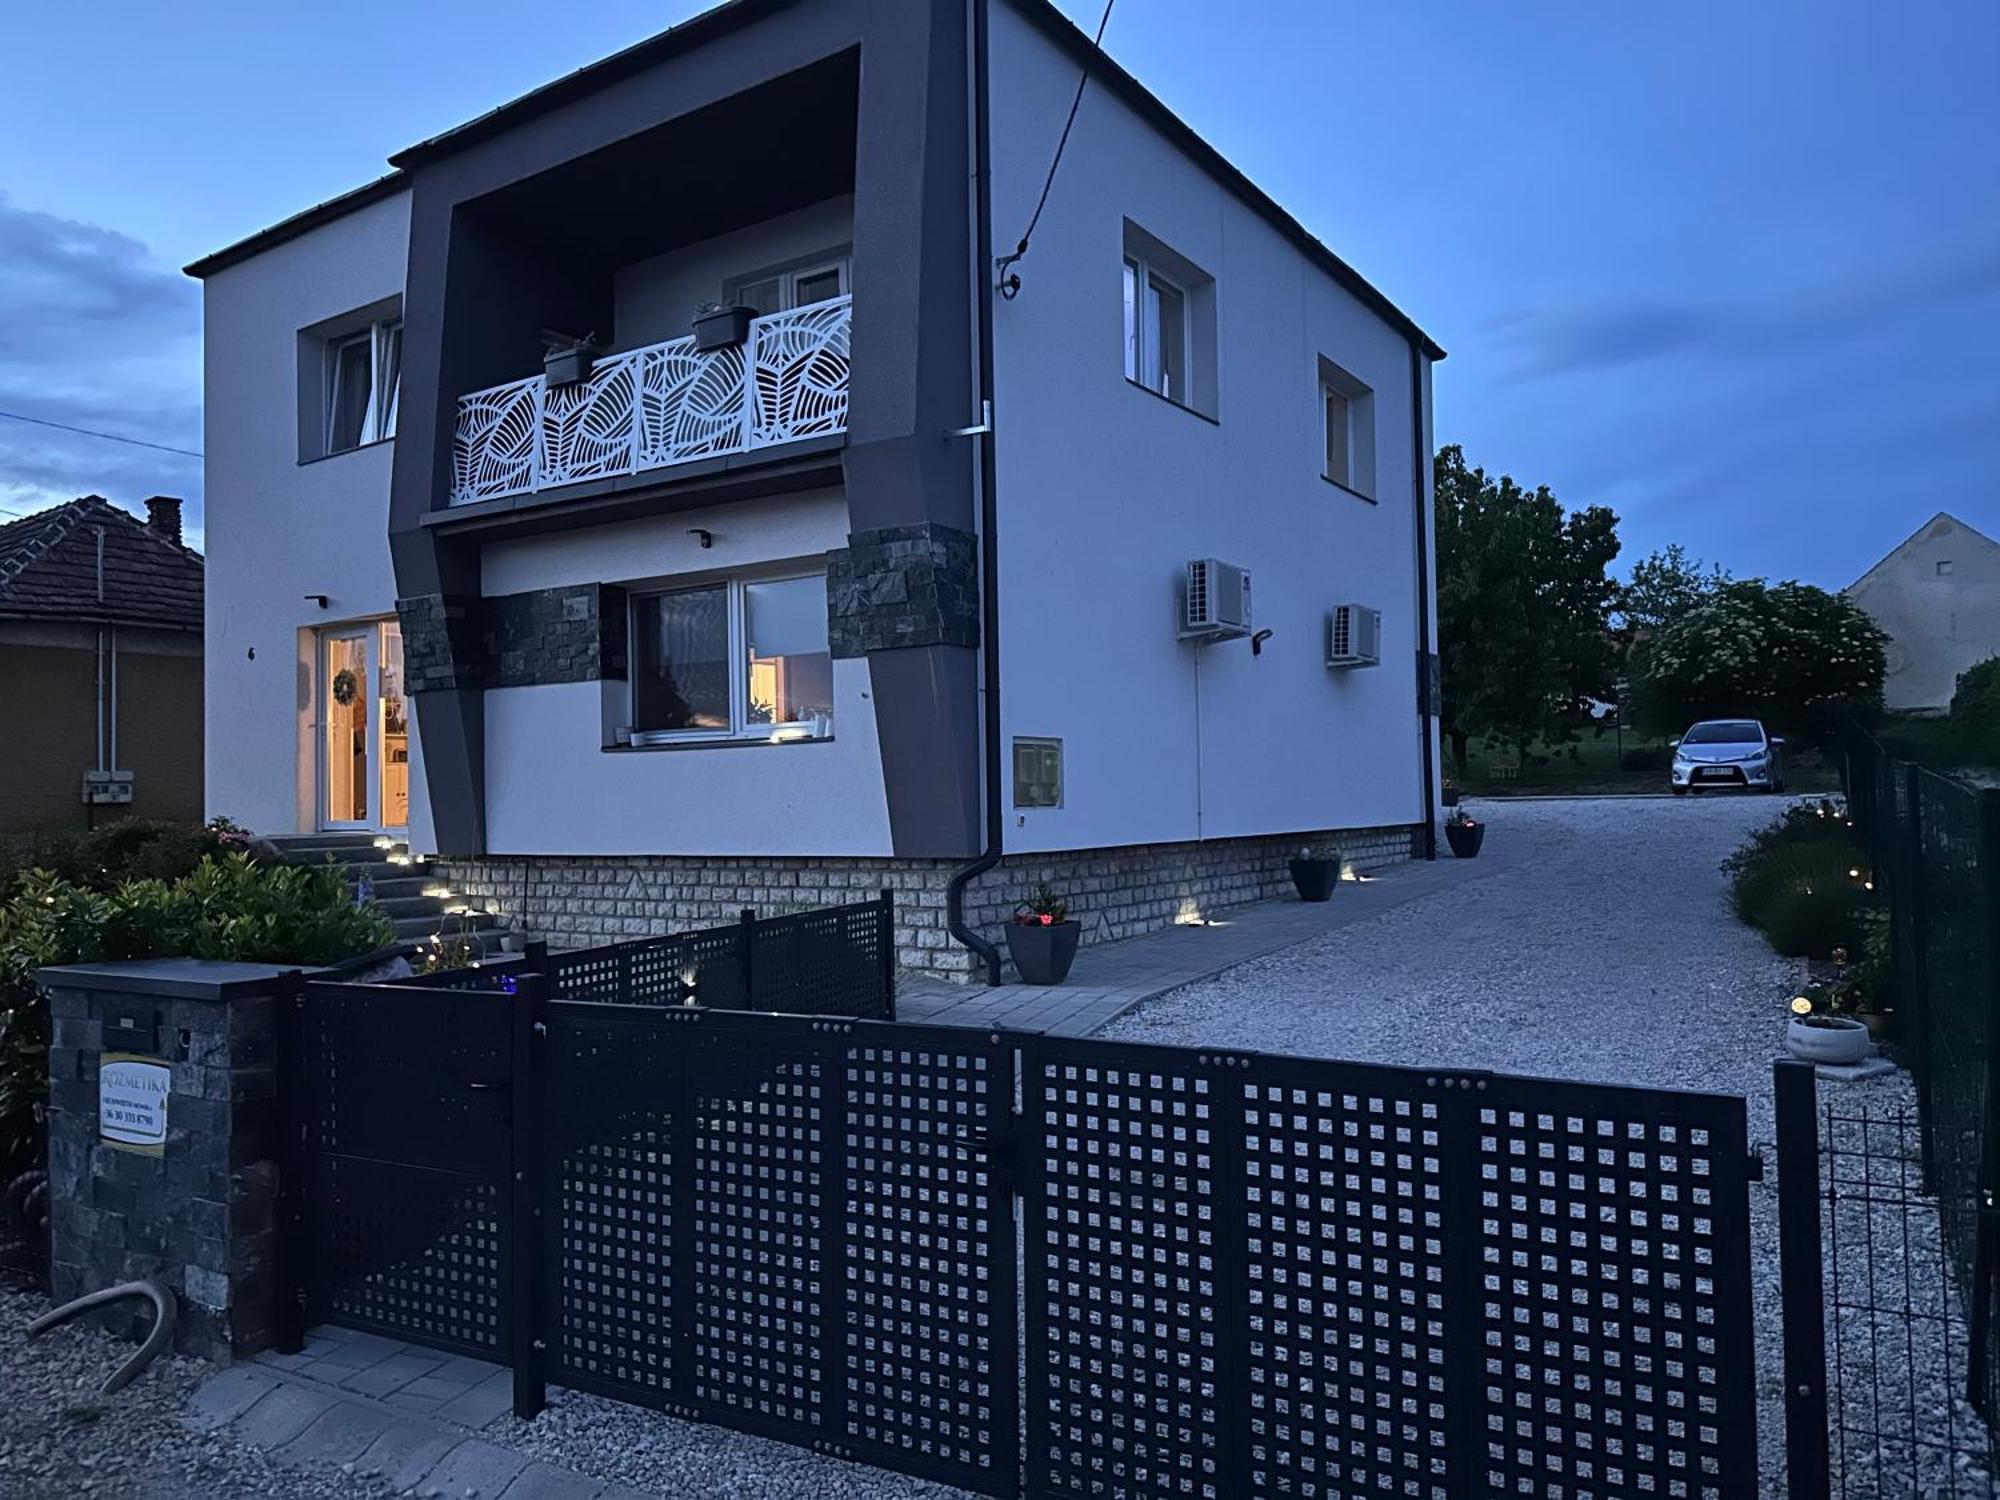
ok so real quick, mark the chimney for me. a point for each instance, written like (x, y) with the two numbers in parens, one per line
(163, 514)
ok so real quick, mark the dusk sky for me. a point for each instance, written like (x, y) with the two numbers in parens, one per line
(1731, 269)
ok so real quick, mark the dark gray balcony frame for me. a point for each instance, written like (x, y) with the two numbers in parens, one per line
(913, 283)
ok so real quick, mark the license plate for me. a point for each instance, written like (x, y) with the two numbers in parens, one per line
(1715, 773)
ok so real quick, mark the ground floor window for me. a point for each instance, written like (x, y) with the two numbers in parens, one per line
(735, 658)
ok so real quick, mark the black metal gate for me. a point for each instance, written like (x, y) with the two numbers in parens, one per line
(1233, 1274)
(402, 1196)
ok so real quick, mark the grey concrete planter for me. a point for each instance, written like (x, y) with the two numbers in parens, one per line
(1836, 1041)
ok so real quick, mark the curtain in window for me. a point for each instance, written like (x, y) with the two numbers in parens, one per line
(790, 678)
(680, 676)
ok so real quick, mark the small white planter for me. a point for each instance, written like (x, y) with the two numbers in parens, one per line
(1841, 1044)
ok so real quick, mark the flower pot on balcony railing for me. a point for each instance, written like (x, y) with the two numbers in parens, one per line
(719, 326)
(570, 364)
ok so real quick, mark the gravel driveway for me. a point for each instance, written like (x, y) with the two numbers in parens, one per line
(1601, 948)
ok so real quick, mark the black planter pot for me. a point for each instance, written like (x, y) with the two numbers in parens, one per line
(567, 366)
(724, 328)
(1043, 954)
(1314, 879)
(1451, 795)
(1465, 838)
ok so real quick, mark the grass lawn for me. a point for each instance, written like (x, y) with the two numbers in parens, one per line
(1591, 767)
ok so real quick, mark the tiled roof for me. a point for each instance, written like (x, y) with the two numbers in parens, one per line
(48, 568)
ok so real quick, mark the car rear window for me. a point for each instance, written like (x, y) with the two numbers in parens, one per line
(1724, 732)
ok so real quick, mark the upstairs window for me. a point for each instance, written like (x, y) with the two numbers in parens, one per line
(1169, 324)
(1156, 332)
(732, 659)
(1347, 411)
(363, 382)
(819, 280)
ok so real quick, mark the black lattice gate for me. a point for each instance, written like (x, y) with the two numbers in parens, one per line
(1232, 1274)
(788, 1226)
(402, 1194)
(1262, 1276)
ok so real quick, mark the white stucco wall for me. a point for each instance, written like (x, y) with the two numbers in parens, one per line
(1106, 491)
(276, 529)
(551, 787)
(655, 299)
(1938, 624)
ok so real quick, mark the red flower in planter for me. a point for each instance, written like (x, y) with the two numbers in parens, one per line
(1048, 920)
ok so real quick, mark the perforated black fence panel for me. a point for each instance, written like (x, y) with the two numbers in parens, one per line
(838, 961)
(1255, 1276)
(405, 1161)
(789, 1226)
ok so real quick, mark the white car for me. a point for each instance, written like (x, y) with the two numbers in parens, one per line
(1728, 753)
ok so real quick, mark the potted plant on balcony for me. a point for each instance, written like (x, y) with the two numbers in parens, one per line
(1316, 871)
(721, 325)
(1464, 833)
(567, 364)
(1042, 938)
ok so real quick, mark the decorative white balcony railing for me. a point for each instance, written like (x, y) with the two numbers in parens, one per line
(657, 406)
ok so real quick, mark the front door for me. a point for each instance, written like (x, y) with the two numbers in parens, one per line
(364, 739)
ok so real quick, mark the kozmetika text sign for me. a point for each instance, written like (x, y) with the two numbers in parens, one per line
(132, 1102)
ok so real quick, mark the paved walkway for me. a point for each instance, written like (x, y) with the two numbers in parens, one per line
(1112, 978)
(389, 1414)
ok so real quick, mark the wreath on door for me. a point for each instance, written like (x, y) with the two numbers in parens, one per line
(346, 687)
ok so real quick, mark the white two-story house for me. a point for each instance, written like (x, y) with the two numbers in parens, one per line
(1107, 566)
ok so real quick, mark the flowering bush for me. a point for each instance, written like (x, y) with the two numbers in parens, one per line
(228, 908)
(1043, 909)
(1778, 651)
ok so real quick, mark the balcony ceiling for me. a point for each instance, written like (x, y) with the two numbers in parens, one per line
(753, 156)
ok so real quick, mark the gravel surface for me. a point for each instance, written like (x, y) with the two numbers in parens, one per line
(1602, 948)
(668, 1457)
(58, 1441)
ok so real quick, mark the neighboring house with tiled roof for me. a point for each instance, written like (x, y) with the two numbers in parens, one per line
(100, 666)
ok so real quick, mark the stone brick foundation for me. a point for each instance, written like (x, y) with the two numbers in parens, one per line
(1117, 893)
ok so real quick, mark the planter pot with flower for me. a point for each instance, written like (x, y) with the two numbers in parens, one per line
(720, 326)
(1464, 833)
(1043, 937)
(1315, 872)
(1835, 1041)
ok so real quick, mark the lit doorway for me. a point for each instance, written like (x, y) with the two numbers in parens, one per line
(364, 752)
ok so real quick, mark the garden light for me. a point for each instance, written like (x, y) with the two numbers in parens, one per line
(1801, 1006)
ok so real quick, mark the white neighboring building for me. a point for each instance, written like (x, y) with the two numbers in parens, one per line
(712, 627)
(1937, 597)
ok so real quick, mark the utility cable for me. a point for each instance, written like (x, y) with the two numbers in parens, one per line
(1010, 283)
(110, 437)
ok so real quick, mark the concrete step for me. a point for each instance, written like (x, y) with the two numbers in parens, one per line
(409, 927)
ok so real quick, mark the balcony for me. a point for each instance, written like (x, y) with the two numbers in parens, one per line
(657, 406)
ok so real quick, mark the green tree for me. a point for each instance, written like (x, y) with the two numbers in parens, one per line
(1665, 585)
(1779, 652)
(1524, 605)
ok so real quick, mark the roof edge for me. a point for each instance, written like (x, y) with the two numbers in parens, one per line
(299, 223)
(1066, 34)
(642, 54)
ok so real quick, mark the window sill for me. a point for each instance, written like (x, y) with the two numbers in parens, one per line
(320, 458)
(1140, 385)
(1348, 489)
(733, 742)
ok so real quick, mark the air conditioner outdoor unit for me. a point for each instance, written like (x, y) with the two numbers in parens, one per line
(1354, 636)
(1215, 606)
